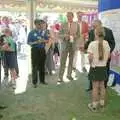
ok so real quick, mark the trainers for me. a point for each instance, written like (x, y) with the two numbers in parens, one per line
(92, 108)
(59, 81)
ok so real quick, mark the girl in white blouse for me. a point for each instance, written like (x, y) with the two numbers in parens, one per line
(98, 54)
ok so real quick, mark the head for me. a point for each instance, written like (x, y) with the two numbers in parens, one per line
(37, 23)
(96, 24)
(79, 16)
(5, 20)
(43, 25)
(70, 16)
(7, 32)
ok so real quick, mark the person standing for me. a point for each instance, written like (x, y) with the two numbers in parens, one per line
(81, 41)
(98, 54)
(69, 33)
(108, 37)
(6, 24)
(37, 39)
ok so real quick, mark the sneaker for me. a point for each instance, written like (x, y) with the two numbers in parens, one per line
(92, 108)
(59, 81)
(35, 85)
(14, 84)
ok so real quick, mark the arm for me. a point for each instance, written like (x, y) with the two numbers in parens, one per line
(90, 53)
(111, 41)
(30, 40)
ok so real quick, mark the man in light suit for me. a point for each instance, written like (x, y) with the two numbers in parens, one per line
(69, 33)
(83, 33)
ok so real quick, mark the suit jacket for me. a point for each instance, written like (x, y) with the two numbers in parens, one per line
(108, 36)
(75, 30)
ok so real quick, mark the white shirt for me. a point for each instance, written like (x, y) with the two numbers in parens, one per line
(93, 49)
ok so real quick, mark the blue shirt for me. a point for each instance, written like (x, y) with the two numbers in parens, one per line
(35, 35)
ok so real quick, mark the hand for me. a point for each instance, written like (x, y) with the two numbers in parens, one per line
(81, 48)
(40, 41)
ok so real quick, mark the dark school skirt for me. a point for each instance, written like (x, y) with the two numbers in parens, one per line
(98, 73)
(10, 59)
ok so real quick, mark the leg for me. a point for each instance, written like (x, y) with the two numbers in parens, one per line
(70, 65)
(95, 91)
(82, 61)
(108, 68)
(62, 63)
(102, 93)
(93, 106)
(42, 57)
(34, 60)
(13, 77)
(34, 75)
(5, 67)
(16, 66)
(90, 81)
(75, 59)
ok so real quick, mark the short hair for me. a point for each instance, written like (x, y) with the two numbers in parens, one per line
(70, 13)
(38, 21)
(97, 21)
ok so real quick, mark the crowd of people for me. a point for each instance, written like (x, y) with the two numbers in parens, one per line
(99, 46)
(50, 48)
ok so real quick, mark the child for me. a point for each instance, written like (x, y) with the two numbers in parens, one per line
(98, 54)
(9, 54)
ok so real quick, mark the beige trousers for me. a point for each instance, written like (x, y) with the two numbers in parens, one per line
(67, 52)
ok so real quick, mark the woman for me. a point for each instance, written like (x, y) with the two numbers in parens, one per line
(50, 66)
(98, 54)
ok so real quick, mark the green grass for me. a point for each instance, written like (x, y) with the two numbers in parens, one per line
(52, 102)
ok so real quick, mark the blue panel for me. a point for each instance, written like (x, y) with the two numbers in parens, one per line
(104, 5)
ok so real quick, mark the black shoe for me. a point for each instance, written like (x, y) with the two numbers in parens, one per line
(35, 86)
(70, 78)
(2, 107)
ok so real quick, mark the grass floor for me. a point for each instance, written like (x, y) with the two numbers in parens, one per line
(67, 101)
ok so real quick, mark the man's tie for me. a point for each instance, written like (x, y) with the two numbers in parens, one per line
(70, 25)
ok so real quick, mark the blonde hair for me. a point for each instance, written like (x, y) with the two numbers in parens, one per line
(100, 33)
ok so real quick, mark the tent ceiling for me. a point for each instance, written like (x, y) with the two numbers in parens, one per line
(51, 5)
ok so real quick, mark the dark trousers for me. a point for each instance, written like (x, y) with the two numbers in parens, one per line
(105, 83)
(16, 66)
(38, 56)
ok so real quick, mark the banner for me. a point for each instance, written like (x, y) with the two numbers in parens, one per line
(109, 13)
